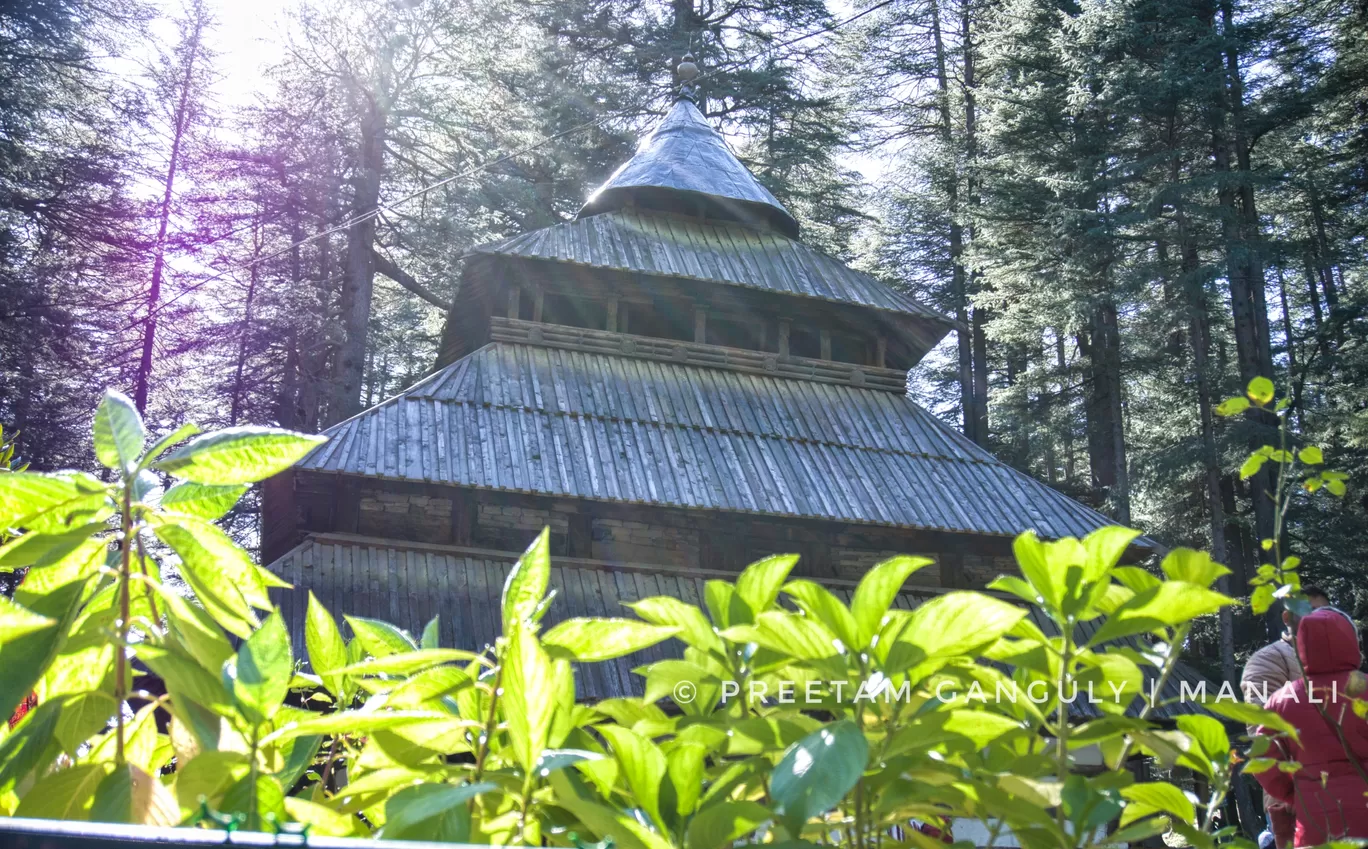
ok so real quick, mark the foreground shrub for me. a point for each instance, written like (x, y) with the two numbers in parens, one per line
(791, 716)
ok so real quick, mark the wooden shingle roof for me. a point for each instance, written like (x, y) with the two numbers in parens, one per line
(687, 160)
(532, 419)
(692, 249)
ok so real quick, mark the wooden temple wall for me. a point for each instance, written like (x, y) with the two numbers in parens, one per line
(624, 533)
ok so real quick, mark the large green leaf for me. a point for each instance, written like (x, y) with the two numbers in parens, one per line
(428, 685)
(17, 621)
(1156, 797)
(952, 624)
(327, 650)
(643, 765)
(789, 634)
(84, 714)
(1171, 603)
(323, 820)
(200, 500)
(817, 772)
(435, 812)
(380, 639)
(207, 776)
(119, 433)
(187, 680)
(260, 676)
(27, 493)
(526, 584)
(36, 550)
(602, 639)
(758, 585)
(24, 659)
(196, 631)
(980, 726)
(260, 800)
(685, 767)
(724, 823)
(354, 722)
(529, 700)
(1248, 714)
(64, 795)
(1038, 568)
(130, 795)
(625, 830)
(238, 455)
(876, 592)
(47, 576)
(224, 578)
(407, 662)
(819, 603)
(1195, 567)
(26, 745)
(694, 627)
(1211, 752)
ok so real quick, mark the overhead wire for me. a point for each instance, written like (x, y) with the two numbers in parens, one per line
(472, 171)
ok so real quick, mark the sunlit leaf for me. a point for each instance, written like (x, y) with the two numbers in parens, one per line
(529, 700)
(1260, 391)
(130, 795)
(694, 627)
(724, 823)
(758, 584)
(238, 455)
(1171, 603)
(200, 500)
(1156, 797)
(602, 639)
(66, 794)
(1251, 467)
(527, 581)
(643, 765)
(380, 639)
(260, 675)
(820, 604)
(17, 621)
(1232, 406)
(327, 651)
(119, 433)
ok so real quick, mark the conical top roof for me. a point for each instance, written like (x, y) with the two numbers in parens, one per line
(685, 166)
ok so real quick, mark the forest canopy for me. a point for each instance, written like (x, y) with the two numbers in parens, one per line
(1133, 207)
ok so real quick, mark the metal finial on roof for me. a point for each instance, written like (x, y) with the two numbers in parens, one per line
(687, 69)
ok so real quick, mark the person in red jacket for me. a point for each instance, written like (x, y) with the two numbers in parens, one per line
(1328, 791)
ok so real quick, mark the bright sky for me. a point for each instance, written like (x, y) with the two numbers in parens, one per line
(248, 38)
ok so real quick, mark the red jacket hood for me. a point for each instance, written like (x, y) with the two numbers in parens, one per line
(1327, 642)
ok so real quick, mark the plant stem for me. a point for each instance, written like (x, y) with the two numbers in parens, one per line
(1179, 638)
(120, 648)
(490, 724)
(253, 814)
(328, 764)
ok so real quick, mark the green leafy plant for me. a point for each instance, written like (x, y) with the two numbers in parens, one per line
(789, 716)
(93, 600)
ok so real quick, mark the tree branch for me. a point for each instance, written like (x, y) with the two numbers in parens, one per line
(385, 266)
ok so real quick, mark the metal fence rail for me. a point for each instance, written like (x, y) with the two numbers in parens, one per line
(56, 834)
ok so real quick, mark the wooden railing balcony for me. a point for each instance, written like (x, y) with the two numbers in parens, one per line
(696, 354)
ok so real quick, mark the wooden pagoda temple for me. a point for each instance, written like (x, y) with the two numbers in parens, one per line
(677, 386)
